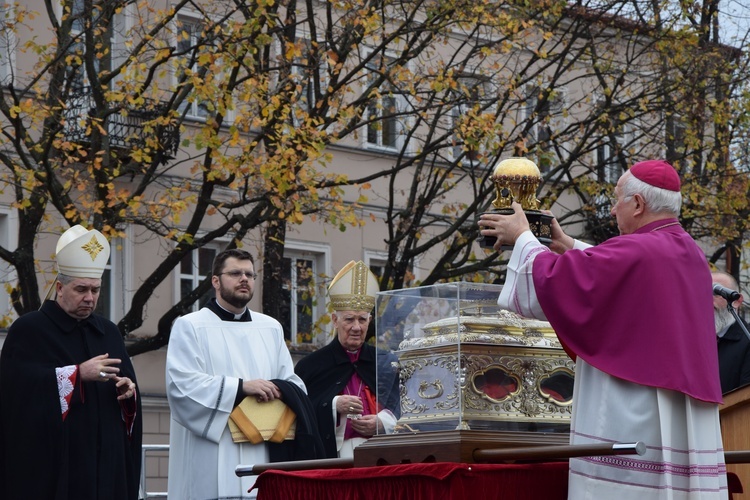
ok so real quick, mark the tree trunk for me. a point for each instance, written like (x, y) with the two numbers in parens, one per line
(273, 256)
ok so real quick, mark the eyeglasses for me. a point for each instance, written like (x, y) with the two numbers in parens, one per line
(237, 274)
(613, 200)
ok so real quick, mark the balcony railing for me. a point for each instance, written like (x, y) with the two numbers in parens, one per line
(124, 132)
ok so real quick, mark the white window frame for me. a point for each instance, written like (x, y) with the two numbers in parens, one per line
(553, 116)
(122, 26)
(8, 274)
(375, 258)
(194, 19)
(379, 258)
(460, 110)
(320, 254)
(195, 276)
(608, 167)
(76, 113)
(681, 146)
(401, 124)
(8, 42)
(120, 264)
(82, 73)
(306, 100)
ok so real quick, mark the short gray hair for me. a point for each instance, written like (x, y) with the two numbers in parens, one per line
(734, 285)
(65, 279)
(657, 200)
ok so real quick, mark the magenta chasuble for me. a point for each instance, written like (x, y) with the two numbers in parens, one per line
(647, 290)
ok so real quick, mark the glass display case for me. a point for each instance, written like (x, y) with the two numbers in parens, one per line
(459, 361)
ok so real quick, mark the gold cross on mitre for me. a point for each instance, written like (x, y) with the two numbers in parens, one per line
(93, 247)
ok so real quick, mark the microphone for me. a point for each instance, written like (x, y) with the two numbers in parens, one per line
(728, 294)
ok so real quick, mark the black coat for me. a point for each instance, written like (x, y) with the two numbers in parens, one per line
(326, 373)
(307, 444)
(734, 359)
(89, 455)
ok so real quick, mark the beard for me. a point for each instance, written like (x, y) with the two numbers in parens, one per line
(722, 319)
(238, 299)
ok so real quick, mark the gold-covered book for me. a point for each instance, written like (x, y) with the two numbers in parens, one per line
(256, 422)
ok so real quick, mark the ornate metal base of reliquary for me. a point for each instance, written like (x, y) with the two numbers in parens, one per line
(510, 373)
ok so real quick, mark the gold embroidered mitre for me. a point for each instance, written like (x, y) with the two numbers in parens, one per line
(82, 253)
(354, 288)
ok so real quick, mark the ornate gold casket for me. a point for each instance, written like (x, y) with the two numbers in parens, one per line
(464, 363)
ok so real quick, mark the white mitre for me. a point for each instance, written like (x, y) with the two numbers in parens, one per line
(354, 288)
(80, 253)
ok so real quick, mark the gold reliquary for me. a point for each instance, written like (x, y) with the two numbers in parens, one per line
(517, 179)
(464, 363)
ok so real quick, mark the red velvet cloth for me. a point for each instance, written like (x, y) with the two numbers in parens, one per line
(436, 481)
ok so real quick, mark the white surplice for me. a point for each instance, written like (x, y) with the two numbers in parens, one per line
(206, 357)
(684, 456)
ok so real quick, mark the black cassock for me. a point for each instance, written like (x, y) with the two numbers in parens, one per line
(89, 455)
(327, 371)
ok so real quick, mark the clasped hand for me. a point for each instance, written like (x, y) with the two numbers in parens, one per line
(102, 368)
(263, 390)
(506, 228)
(349, 405)
(366, 425)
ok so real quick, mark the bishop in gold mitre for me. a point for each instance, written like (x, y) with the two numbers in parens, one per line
(341, 376)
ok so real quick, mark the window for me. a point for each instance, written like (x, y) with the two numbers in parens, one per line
(188, 37)
(609, 167)
(306, 68)
(8, 276)
(469, 94)
(377, 267)
(302, 286)
(113, 298)
(7, 43)
(104, 306)
(376, 261)
(76, 70)
(79, 100)
(384, 129)
(544, 108)
(117, 34)
(120, 32)
(612, 154)
(298, 298)
(194, 268)
(123, 131)
(675, 140)
(78, 9)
